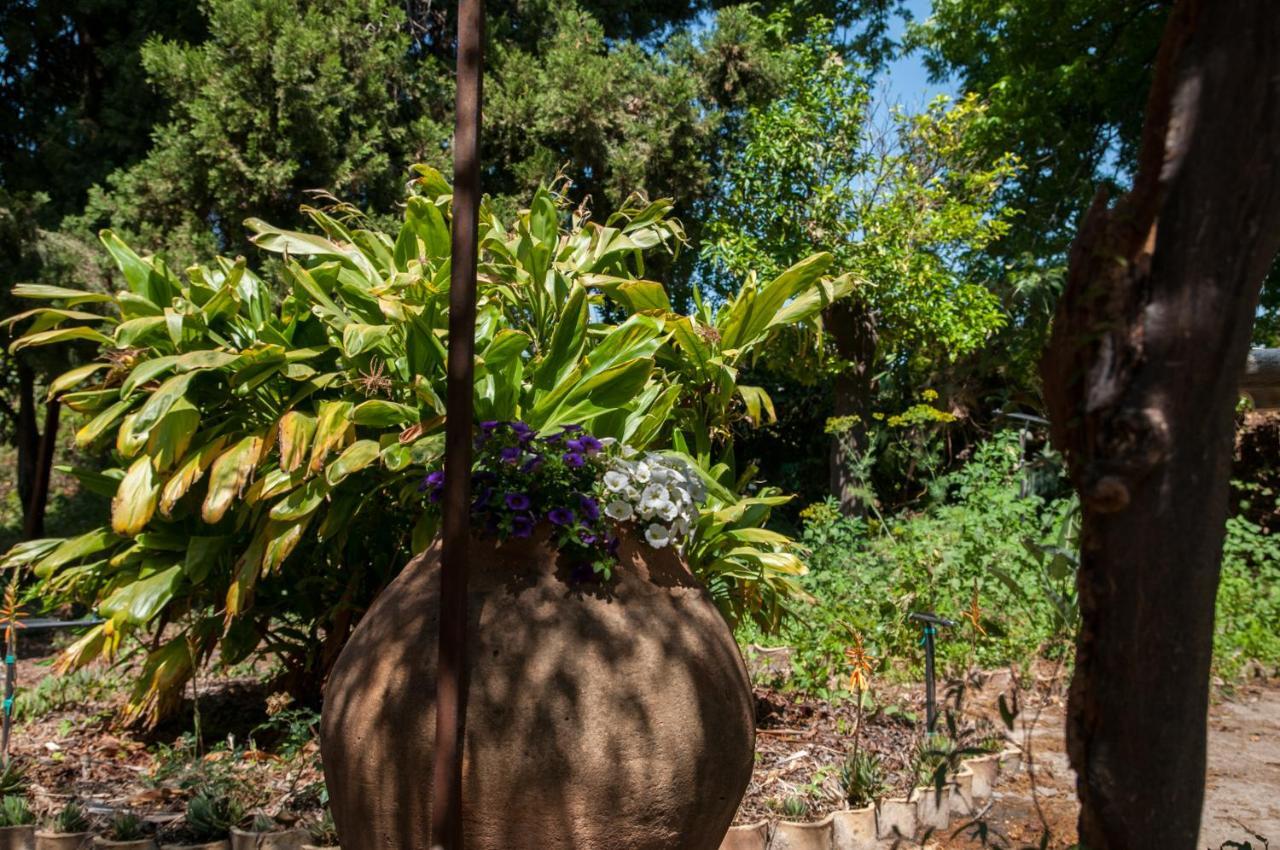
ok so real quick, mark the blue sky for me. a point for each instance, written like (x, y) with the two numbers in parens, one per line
(905, 81)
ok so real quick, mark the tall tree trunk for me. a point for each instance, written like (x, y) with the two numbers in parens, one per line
(853, 329)
(26, 434)
(33, 520)
(1141, 380)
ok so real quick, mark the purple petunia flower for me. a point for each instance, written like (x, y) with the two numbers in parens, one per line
(586, 537)
(490, 426)
(590, 508)
(521, 525)
(510, 454)
(517, 501)
(483, 498)
(572, 429)
(573, 460)
(434, 480)
(532, 464)
(590, 444)
(560, 516)
(575, 445)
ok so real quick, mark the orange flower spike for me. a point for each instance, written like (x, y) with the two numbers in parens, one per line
(974, 614)
(861, 665)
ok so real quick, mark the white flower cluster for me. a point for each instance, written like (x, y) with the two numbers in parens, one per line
(660, 493)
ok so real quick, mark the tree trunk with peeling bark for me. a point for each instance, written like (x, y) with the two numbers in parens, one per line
(1141, 378)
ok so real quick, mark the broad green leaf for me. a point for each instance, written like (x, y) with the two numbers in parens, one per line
(282, 539)
(136, 332)
(147, 371)
(100, 424)
(141, 600)
(377, 413)
(759, 405)
(203, 554)
(566, 342)
(72, 297)
(171, 437)
(74, 378)
(75, 549)
(354, 458)
(301, 502)
(139, 274)
(59, 335)
(135, 501)
(358, 338)
(159, 402)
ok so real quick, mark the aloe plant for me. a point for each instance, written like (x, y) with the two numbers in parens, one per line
(269, 434)
(15, 811)
(70, 820)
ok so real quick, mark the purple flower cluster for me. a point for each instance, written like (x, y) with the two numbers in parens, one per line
(520, 479)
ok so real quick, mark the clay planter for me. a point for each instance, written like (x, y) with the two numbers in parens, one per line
(1010, 761)
(320, 847)
(224, 844)
(854, 829)
(749, 837)
(141, 844)
(933, 810)
(47, 840)
(802, 836)
(281, 839)
(600, 716)
(897, 818)
(962, 792)
(17, 837)
(984, 770)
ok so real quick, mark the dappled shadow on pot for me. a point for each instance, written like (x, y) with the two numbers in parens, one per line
(601, 714)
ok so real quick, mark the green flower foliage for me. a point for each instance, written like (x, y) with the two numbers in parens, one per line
(270, 433)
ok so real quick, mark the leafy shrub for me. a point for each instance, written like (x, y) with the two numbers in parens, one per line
(1247, 622)
(210, 818)
(258, 426)
(126, 826)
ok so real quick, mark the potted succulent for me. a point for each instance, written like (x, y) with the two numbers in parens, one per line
(263, 832)
(323, 833)
(600, 668)
(69, 829)
(206, 824)
(126, 831)
(17, 824)
(863, 782)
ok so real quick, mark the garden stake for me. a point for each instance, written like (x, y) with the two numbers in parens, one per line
(451, 674)
(931, 623)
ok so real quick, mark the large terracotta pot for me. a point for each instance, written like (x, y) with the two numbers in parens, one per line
(601, 715)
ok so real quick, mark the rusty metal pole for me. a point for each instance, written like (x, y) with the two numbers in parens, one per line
(451, 675)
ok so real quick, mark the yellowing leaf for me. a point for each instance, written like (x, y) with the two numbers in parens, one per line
(294, 435)
(331, 429)
(354, 458)
(191, 471)
(135, 500)
(171, 437)
(229, 476)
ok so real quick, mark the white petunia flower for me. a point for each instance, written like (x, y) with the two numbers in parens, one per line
(680, 526)
(619, 510)
(654, 495)
(668, 511)
(657, 535)
(640, 472)
(631, 494)
(616, 481)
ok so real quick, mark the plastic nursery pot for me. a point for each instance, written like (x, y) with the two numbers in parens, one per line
(753, 836)
(601, 715)
(17, 837)
(933, 810)
(49, 840)
(854, 829)
(802, 836)
(140, 844)
(984, 770)
(897, 818)
(282, 839)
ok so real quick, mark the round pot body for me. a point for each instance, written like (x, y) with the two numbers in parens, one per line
(17, 837)
(46, 840)
(747, 837)
(601, 715)
(224, 844)
(802, 836)
(140, 844)
(854, 829)
(284, 839)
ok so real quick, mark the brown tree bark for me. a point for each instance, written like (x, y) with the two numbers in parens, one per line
(1141, 378)
(38, 501)
(853, 329)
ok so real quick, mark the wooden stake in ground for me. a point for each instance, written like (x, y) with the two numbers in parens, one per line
(451, 678)
(1141, 380)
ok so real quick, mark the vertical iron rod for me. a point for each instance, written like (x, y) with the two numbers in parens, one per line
(451, 673)
(931, 709)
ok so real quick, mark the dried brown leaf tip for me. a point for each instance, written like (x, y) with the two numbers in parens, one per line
(374, 380)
